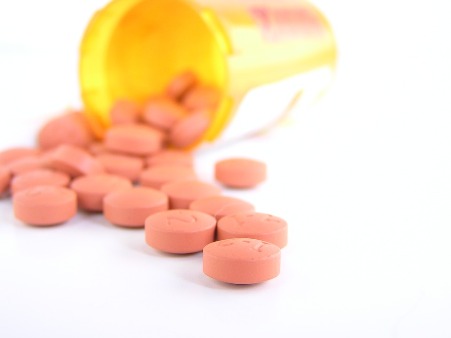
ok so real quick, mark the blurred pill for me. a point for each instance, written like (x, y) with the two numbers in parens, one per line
(26, 164)
(92, 189)
(181, 84)
(124, 112)
(130, 207)
(39, 177)
(171, 156)
(157, 176)
(182, 193)
(97, 148)
(163, 113)
(220, 206)
(126, 166)
(134, 139)
(74, 161)
(70, 128)
(11, 155)
(5, 178)
(189, 130)
(202, 97)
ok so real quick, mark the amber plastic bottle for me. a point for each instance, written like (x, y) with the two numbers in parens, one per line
(268, 53)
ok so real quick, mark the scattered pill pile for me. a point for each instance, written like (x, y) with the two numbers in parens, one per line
(140, 176)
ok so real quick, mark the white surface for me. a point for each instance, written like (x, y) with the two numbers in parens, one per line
(363, 179)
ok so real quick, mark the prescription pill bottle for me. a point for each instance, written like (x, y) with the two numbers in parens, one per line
(263, 56)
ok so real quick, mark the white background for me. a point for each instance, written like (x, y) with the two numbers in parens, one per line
(363, 178)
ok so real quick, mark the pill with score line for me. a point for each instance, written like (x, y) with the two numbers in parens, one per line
(256, 225)
(241, 261)
(180, 231)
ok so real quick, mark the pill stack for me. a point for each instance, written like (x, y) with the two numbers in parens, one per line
(141, 176)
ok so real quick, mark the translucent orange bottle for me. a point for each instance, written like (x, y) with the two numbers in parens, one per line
(259, 53)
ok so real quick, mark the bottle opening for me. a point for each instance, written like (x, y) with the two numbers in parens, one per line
(132, 49)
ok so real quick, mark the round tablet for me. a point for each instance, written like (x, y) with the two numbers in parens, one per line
(126, 166)
(162, 113)
(97, 148)
(157, 176)
(5, 178)
(45, 205)
(13, 154)
(240, 172)
(241, 261)
(93, 188)
(171, 156)
(124, 112)
(180, 231)
(131, 207)
(46, 157)
(202, 98)
(182, 193)
(181, 84)
(70, 128)
(254, 225)
(189, 129)
(74, 161)
(39, 177)
(220, 206)
(134, 139)
(26, 164)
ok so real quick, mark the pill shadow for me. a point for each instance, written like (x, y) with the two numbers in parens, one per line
(92, 218)
(22, 225)
(98, 219)
(186, 271)
(196, 276)
(37, 227)
(143, 248)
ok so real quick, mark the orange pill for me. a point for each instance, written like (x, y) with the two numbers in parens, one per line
(171, 156)
(240, 172)
(74, 161)
(241, 261)
(220, 206)
(126, 166)
(182, 193)
(157, 176)
(26, 164)
(5, 178)
(256, 225)
(97, 148)
(202, 98)
(11, 155)
(45, 205)
(46, 157)
(70, 128)
(93, 188)
(131, 207)
(181, 84)
(163, 113)
(180, 231)
(39, 177)
(189, 129)
(134, 139)
(124, 112)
